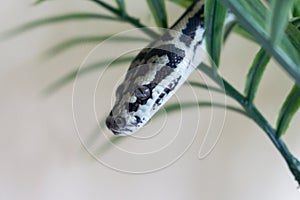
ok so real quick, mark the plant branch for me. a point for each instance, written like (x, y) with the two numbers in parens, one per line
(258, 118)
(53, 20)
(124, 16)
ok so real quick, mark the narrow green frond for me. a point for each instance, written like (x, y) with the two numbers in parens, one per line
(215, 14)
(259, 8)
(183, 3)
(55, 19)
(279, 18)
(215, 76)
(61, 47)
(72, 75)
(122, 6)
(38, 2)
(229, 25)
(171, 108)
(108, 145)
(284, 52)
(132, 20)
(288, 110)
(108, 7)
(204, 86)
(294, 34)
(255, 73)
(245, 34)
(159, 13)
(296, 22)
(296, 8)
(257, 117)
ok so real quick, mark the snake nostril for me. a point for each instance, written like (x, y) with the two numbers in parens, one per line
(118, 122)
(115, 123)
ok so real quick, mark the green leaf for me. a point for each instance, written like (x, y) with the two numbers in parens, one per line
(38, 2)
(296, 22)
(57, 49)
(245, 34)
(108, 7)
(122, 7)
(254, 23)
(183, 3)
(215, 14)
(132, 20)
(296, 8)
(279, 18)
(170, 108)
(229, 25)
(53, 20)
(204, 86)
(255, 73)
(108, 145)
(158, 10)
(72, 75)
(288, 110)
(293, 31)
(294, 35)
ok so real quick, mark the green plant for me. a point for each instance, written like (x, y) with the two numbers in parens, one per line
(274, 29)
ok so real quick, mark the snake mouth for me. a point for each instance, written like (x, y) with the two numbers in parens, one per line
(115, 132)
(120, 133)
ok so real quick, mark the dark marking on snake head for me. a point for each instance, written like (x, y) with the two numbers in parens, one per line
(141, 70)
(174, 54)
(167, 90)
(162, 74)
(159, 99)
(141, 55)
(152, 85)
(139, 59)
(171, 86)
(138, 119)
(174, 83)
(133, 107)
(167, 36)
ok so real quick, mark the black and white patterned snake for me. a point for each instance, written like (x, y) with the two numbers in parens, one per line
(158, 71)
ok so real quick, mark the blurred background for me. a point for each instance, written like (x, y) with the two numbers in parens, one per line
(42, 152)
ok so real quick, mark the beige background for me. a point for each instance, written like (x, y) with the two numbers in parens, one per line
(41, 154)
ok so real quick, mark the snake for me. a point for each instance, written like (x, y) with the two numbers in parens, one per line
(158, 70)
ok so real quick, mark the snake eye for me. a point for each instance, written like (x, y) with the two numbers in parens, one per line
(119, 122)
(142, 92)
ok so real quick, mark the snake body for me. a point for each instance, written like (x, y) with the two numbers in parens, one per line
(158, 71)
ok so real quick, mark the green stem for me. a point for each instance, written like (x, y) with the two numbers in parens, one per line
(205, 86)
(258, 118)
(124, 16)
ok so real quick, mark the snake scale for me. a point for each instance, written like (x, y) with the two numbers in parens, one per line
(158, 71)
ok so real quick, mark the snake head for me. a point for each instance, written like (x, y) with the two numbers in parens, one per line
(124, 124)
(148, 84)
